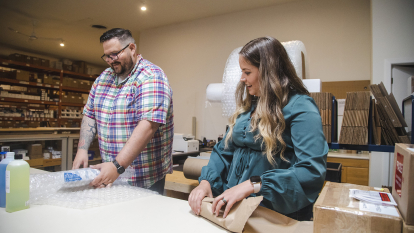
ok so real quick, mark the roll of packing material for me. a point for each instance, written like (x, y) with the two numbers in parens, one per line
(232, 73)
(297, 54)
(193, 165)
(313, 85)
(214, 92)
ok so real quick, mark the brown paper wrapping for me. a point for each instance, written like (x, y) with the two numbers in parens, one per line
(192, 167)
(264, 220)
(252, 218)
(237, 216)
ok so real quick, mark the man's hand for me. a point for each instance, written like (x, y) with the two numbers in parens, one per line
(233, 195)
(107, 176)
(81, 158)
(198, 194)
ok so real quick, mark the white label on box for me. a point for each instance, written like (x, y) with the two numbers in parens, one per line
(7, 181)
(379, 209)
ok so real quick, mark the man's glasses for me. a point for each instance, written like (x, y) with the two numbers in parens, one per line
(113, 56)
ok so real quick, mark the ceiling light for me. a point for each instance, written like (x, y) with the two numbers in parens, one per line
(62, 44)
(143, 8)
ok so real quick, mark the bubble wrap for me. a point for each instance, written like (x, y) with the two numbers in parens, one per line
(71, 189)
(294, 49)
(231, 78)
(232, 73)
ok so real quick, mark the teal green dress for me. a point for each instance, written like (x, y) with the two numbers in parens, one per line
(288, 186)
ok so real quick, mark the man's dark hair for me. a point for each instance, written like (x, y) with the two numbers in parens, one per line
(123, 35)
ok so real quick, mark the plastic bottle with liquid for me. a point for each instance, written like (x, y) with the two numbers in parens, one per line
(3, 166)
(17, 185)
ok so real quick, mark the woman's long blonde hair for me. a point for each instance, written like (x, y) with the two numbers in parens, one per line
(277, 77)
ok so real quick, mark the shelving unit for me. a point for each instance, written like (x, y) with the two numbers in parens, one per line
(47, 104)
(5, 139)
(369, 147)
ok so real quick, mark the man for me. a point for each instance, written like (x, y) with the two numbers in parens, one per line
(130, 107)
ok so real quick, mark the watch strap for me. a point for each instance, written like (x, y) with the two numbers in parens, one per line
(119, 168)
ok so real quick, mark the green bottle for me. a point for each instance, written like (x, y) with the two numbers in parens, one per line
(17, 185)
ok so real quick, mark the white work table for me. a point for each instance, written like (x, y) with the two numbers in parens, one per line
(147, 214)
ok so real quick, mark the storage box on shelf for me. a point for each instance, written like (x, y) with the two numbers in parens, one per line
(57, 89)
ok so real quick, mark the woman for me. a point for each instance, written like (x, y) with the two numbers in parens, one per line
(275, 145)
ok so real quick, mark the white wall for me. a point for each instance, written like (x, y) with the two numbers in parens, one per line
(337, 36)
(392, 40)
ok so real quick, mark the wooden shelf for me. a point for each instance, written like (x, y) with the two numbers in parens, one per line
(16, 100)
(73, 104)
(22, 103)
(70, 119)
(26, 119)
(26, 66)
(79, 75)
(27, 84)
(86, 91)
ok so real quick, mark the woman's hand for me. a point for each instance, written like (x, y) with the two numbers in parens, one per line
(198, 194)
(232, 195)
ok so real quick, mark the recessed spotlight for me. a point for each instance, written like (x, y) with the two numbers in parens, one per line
(143, 8)
(62, 44)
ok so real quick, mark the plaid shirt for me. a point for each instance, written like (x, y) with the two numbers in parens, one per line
(118, 108)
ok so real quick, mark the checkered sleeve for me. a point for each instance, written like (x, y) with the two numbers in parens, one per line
(154, 99)
(88, 110)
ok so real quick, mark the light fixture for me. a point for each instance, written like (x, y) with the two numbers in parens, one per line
(143, 8)
(62, 43)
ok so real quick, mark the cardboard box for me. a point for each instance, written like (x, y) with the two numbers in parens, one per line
(47, 80)
(35, 151)
(403, 181)
(45, 62)
(28, 59)
(20, 75)
(81, 66)
(67, 67)
(335, 211)
(67, 82)
(407, 228)
(35, 162)
(16, 57)
(36, 61)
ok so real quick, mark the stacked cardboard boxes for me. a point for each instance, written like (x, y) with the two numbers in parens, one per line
(403, 183)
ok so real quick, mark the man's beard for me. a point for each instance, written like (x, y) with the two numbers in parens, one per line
(126, 67)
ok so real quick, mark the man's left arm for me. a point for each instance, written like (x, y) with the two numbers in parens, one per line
(139, 139)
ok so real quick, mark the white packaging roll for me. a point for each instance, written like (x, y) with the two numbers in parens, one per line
(214, 92)
(296, 49)
(313, 85)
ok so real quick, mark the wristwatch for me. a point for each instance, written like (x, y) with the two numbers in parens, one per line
(119, 168)
(256, 181)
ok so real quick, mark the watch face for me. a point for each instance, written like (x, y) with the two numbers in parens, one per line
(255, 179)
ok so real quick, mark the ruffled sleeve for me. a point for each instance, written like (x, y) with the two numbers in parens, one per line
(289, 190)
(217, 169)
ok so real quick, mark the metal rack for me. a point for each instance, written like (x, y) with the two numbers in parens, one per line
(370, 147)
